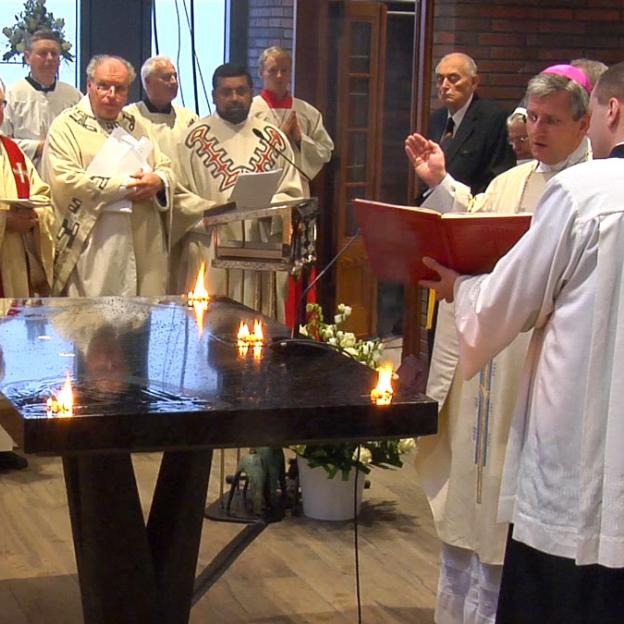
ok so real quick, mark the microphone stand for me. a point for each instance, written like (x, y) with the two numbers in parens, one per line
(274, 147)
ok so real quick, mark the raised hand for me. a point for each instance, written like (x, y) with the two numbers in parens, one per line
(427, 158)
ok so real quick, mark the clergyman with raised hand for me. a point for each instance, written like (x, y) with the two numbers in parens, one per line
(461, 466)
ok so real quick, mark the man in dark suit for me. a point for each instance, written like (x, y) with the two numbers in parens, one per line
(472, 132)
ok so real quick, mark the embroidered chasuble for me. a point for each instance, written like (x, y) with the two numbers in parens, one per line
(167, 128)
(214, 152)
(30, 112)
(100, 250)
(26, 259)
(316, 145)
(461, 466)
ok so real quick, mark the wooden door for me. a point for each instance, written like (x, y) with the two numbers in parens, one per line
(360, 60)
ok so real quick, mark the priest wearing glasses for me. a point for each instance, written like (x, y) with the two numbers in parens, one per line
(112, 216)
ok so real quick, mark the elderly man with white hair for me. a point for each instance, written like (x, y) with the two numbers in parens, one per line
(165, 121)
(113, 216)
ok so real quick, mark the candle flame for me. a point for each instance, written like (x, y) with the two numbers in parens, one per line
(199, 298)
(63, 403)
(245, 338)
(258, 333)
(200, 292)
(382, 393)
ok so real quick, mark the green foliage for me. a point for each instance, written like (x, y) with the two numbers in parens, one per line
(34, 17)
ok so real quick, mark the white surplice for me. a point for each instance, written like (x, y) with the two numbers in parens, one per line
(30, 112)
(563, 482)
(316, 145)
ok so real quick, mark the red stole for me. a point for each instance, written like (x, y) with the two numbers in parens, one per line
(275, 102)
(17, 161)
(18, 167)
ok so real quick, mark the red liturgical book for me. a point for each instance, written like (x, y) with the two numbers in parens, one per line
(397, 237)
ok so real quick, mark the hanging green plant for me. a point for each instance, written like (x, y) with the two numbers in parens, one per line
(34, 17)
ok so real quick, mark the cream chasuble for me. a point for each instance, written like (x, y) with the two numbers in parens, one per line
(461, 466)
(316, 144)
(212, 155)
(168, 129)
(86, 227)
(25, 259)
(30, 112)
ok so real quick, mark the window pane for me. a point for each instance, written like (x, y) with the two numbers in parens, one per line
(172, 26)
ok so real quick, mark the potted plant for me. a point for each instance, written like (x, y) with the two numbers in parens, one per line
(327, 472)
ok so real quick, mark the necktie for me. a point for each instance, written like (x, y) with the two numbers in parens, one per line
(447, 135)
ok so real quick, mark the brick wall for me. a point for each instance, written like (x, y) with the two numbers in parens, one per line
(271, 22)
(512, 40)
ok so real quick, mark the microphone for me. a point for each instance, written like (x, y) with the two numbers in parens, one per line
(261, 136)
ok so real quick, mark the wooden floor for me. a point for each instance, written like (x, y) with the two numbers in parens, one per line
(297, 571)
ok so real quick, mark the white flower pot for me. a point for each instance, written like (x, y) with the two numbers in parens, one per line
(328, 499)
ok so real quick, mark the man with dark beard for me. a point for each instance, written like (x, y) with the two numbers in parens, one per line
(215, 150)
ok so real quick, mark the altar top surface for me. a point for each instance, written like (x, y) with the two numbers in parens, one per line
(146, 377)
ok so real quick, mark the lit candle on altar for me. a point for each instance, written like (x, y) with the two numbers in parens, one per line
(382, 393)
(63, 403)
(199, 298)
(245, 338)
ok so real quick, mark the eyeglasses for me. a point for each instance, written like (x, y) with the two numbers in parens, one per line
(105, 88)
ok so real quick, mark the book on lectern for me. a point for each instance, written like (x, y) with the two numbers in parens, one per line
(397, 237)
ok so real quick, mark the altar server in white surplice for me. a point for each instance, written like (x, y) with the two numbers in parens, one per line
(112, 237)
(35, 101)
(165, 121)
(461, 466)
(563, 482)
(214, 152)
(298, 120)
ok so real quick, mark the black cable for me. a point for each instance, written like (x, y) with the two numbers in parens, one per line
(197, 64)
(355, 536)
(177, 8)
(154, 27)
(193, 54)
(312, 284)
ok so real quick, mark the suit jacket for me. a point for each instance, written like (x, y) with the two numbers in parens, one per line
(479, 151)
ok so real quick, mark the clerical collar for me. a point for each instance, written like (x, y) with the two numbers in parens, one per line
(580, 154)
(39, 87)
(153, 109)
(276, 102)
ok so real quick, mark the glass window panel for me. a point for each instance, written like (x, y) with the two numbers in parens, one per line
(174, 40)
(359, 95)
(358, 157)
(360, 48)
